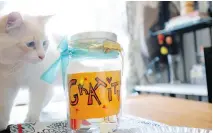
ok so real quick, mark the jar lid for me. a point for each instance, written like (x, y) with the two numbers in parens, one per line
(94, 35)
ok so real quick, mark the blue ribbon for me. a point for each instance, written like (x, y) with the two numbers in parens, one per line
(68, 54)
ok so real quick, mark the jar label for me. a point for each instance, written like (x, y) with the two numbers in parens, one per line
(94, 94)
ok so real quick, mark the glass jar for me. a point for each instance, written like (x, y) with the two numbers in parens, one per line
(94, 81)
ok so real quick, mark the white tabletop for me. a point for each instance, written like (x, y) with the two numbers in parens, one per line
(182, 89)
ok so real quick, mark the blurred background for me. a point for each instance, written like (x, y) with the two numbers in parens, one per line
(167, 44)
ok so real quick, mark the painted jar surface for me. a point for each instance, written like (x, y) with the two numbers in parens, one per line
(93, 81)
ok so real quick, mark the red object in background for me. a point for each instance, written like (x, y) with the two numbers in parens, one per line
(169, 40)
(160, 39)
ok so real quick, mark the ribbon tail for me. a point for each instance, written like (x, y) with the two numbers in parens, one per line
(63, 46)
(50, 74)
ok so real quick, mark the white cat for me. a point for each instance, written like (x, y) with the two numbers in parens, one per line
(23, 58)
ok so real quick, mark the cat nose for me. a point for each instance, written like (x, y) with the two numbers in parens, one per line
(41, 57)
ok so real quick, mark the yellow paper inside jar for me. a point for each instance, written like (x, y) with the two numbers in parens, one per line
(94, 94)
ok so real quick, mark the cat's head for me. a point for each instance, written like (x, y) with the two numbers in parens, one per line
(26, 37)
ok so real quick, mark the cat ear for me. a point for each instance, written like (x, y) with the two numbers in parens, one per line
(14, 20)
(44, 19)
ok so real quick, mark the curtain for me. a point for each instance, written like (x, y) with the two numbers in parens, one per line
(139, 22)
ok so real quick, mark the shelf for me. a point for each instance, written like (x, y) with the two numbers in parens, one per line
(181, 89)
(187, 27)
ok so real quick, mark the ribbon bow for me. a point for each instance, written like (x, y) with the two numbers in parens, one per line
(69, 54)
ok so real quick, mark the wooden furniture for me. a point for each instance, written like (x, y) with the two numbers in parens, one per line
(171, 111)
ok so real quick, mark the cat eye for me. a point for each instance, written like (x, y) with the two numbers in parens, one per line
(31, 44)
(45, 43)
